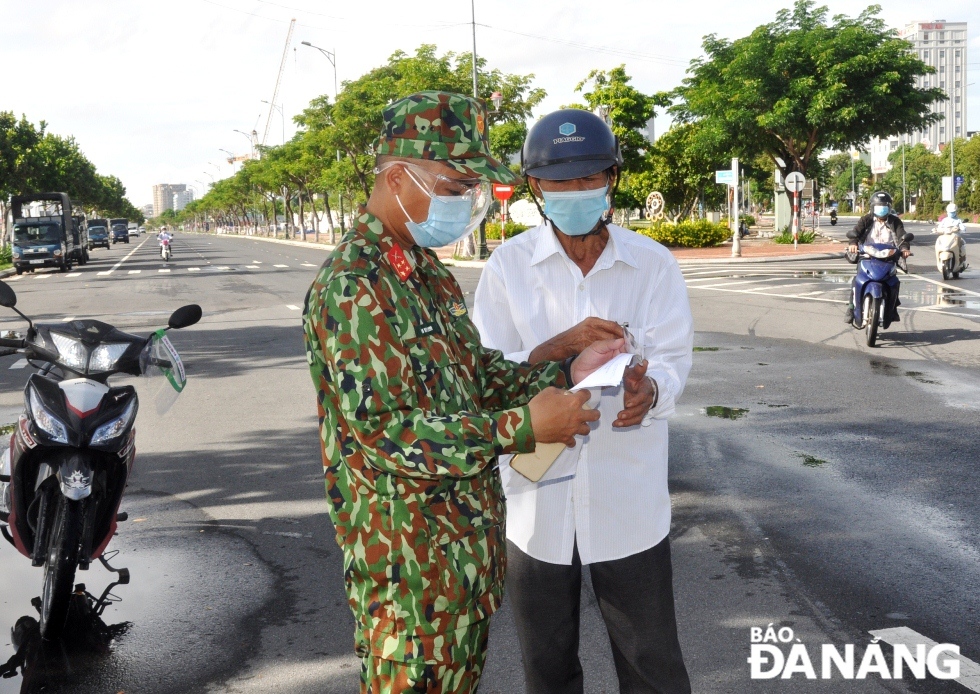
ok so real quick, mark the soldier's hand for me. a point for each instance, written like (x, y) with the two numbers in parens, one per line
(594, 356)
(575, 340)
(557, 416)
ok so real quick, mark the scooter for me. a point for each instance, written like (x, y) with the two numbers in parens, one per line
(72, 450)
(875, 288)
(948, 259)
(165, 249)
(833, 218)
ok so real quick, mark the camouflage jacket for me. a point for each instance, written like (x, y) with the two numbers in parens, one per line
(413, 413)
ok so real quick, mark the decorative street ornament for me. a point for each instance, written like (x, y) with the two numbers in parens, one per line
(655, 206)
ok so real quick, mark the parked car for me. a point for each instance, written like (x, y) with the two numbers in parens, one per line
(120, 233)
(134, 231)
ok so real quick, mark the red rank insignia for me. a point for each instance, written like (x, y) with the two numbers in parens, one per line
(396, 256)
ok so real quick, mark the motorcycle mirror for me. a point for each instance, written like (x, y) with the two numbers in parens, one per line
(8, 298)
(185, 316)
(909, 237)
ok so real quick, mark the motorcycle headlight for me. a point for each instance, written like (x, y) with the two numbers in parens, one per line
(114, 427)
(45, 421)
(104, 357)
(70, 351)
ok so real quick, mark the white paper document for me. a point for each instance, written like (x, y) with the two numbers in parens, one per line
(609, 374)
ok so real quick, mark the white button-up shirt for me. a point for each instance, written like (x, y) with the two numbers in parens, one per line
(616, 503)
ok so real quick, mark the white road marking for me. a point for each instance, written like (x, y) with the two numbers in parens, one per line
(257, 262)
(280, 266)
(104, 272)
(123, 260)
(41, 277)
(969, 671)
(291, 307)
(944, 284)
(164, 269)
(14, 278)
(224, 267)
(73, 274)
(135, 272)
(19, 364)
(309, 265)
(252, 267)
(69, 319)
(728, 284)
(193, 269)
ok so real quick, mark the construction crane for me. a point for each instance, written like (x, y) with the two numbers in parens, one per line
(275, 92)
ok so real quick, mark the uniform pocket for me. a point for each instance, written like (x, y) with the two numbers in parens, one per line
(442, 387)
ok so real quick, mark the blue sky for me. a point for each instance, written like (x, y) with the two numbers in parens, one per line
(153, 91)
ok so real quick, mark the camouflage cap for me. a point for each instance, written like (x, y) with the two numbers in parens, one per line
(442, 126)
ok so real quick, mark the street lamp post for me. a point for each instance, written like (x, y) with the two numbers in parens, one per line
(905, 199)
(332, 57)
(282, 117)
(853, 191)
(482, 251)
(251, 141)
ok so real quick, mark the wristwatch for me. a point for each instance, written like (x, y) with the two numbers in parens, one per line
(566, 368)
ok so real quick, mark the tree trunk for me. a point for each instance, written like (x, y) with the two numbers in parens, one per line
(326, 209)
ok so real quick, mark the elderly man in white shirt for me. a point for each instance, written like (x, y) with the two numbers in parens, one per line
(545, 295)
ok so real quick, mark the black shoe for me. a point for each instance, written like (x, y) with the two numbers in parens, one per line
(849, 315)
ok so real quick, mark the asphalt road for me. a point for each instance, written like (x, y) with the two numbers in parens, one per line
(843, 501)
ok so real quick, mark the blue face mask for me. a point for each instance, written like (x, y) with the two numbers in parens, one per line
(882, 210)
(576, 212)
(450, 219)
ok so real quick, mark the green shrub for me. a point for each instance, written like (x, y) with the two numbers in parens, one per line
(6, 257)
(787, 237)
(512, 229)
(747, 219)
(686, 234)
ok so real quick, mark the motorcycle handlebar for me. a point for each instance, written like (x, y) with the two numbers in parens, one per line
(16, 344)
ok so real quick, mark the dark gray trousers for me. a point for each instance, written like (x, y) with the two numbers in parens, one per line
(636, 598)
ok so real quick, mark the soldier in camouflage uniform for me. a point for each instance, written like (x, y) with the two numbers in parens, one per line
(413, 411)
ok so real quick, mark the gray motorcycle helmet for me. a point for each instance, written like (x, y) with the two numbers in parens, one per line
(570, 143)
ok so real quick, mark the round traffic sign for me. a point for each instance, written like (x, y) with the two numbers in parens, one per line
(794, 182)
(502, 192)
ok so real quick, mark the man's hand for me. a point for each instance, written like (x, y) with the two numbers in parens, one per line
(575, 340)
(594, 356)
(852, 248)
(906, 252)
(638, 395)
(557, 416)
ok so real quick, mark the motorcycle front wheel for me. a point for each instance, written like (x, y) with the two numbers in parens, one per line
(947, 268)
(59, 568)
(872, 307)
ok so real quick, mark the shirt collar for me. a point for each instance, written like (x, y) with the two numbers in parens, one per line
(372, 230)
(615, 250)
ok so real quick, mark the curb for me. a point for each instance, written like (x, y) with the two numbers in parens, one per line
(284, 242)
(761, 259)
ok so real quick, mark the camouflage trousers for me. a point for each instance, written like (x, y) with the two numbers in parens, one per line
(459, 675)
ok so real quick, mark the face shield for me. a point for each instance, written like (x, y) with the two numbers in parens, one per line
(475, 191)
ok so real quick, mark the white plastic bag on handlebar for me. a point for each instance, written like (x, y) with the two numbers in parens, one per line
(162, 365)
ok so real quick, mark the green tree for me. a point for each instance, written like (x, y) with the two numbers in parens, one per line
(800, 85)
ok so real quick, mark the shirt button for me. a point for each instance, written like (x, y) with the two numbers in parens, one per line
(581, 287)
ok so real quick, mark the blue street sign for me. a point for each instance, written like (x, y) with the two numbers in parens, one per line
(725, 176)
(957, 182)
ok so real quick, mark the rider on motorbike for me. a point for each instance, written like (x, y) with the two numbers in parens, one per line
(879, 226)
(953, 225)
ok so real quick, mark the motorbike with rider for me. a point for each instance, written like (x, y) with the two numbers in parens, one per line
(164, 238)
(950, 246)
(879, 235)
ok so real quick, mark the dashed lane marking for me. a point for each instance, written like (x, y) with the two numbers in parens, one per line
(193, 269)
(135, 272)
(41, 277)
(104, 272)
(123, 260)
(164, 269)
(969, 671)
(19, 364)
(309, 265)
(280, 266)
(257, 262)
(252, 267)
(74, 274)
(291, 307)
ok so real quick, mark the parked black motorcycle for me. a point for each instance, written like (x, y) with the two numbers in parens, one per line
(72, 450)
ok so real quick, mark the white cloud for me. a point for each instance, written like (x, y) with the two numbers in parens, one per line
(151, 91)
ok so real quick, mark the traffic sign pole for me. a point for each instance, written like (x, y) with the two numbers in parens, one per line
(733, 189)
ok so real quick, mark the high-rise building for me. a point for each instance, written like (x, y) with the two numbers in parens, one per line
(163, 196)
(181, 199)
(147, 210)
(942, 45)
